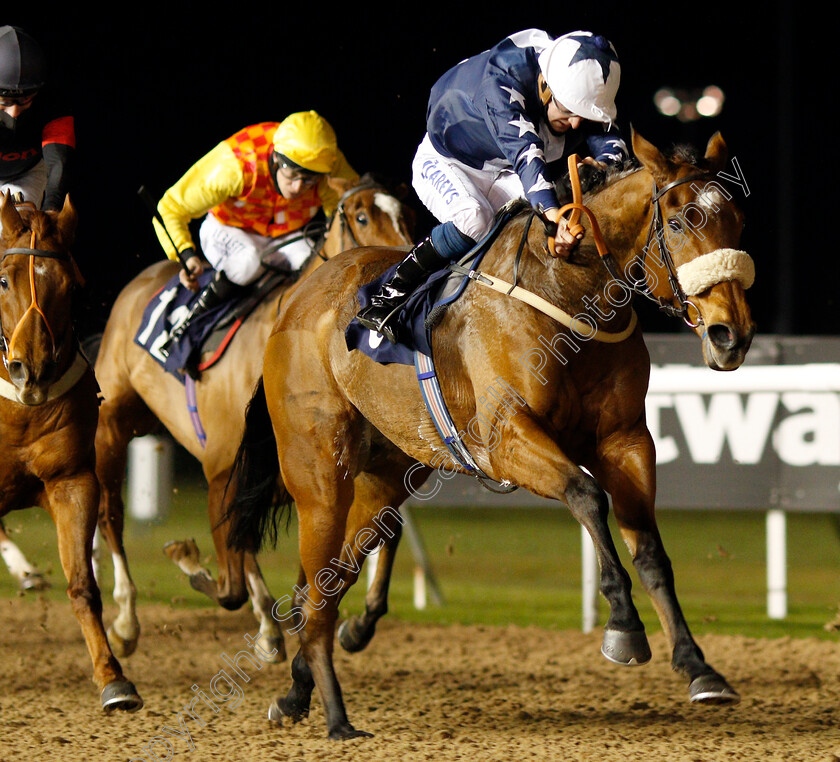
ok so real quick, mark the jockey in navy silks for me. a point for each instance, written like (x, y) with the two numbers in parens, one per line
(499, 126)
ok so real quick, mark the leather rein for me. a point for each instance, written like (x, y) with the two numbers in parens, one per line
(656, 231)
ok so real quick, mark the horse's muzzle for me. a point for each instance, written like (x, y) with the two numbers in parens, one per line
(32, 389)
(725, 346)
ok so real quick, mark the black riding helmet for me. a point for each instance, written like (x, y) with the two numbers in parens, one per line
(22, 63)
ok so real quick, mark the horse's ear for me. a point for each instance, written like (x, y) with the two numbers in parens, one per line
(716, 153)
(67, 219)
(12, 223)
(339, 184)
(650, 156)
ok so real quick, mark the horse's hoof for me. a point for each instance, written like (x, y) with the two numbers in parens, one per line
(280, 708)
(120, 695)
(34, 582)
(629, 649)
(349, 638)
(121, 647)
(712, 689)
(270, 649)
(346, 731)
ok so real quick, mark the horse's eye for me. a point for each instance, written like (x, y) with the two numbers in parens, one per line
(675, 224)
(4, 284)
(361, 218)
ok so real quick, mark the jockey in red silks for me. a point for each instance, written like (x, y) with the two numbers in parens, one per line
(499, 126)
(37, 133)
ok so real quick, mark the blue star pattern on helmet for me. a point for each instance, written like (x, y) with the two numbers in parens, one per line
(594, 49)
(486, 111)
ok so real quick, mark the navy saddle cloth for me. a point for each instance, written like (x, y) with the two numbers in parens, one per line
(415, 320)
(172, 302)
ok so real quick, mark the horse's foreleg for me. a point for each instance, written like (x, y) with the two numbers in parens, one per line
(72, 504)
(124, 631)
(629, 475)
(380, 495)
(355, 634)
(122, 416)
(540, 466)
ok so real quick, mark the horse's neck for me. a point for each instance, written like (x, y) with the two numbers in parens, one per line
(621, 210)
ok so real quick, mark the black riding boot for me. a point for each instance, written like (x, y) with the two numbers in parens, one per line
(218, 290)
(422, 260)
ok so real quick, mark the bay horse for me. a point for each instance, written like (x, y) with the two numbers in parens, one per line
(48, 414)
(139, 395)
(568, 424)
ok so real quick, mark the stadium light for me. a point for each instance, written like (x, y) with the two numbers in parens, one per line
(689, 105)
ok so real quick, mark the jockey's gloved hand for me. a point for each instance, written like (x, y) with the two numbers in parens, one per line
(193, 267)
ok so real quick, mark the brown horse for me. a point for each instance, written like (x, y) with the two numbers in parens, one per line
(48, 414)
(550, 407)
(139, 394)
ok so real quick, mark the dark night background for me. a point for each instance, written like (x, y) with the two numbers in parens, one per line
(155, 90)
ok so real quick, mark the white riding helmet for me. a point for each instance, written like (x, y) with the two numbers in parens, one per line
(582, 71)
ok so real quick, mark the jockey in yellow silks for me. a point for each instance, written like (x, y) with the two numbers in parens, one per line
(261, 184)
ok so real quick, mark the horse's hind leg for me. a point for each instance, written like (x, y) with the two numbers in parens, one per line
(628, 469)
(28, 576)
(270, 640)
(72, 504)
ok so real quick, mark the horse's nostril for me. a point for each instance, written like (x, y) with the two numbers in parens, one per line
(17, 371)
(721, 336)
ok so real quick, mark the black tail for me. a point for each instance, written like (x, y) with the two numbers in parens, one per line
(260, 498)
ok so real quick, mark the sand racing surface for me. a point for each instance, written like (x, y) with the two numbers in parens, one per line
(425, 692)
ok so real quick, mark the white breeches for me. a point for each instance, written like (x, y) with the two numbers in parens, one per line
(240, 253)
(454, 192)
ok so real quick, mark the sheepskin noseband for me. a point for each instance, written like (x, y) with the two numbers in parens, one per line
(716, 267)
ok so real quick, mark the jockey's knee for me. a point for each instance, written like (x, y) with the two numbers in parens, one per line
(474, 220)
(243, 268)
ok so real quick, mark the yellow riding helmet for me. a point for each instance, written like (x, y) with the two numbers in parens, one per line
(308, 140)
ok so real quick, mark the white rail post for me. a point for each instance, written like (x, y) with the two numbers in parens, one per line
(589, 581)
(776, 564)
(149, 477)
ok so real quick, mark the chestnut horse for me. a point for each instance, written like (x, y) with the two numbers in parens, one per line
(568, 424)
(48, 414)
(139, 394)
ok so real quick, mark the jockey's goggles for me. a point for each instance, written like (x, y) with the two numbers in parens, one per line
(293, 174)
(15, 99)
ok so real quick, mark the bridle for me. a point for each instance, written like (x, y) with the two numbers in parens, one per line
(341, 212)
(32, 251)
(656, 231)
